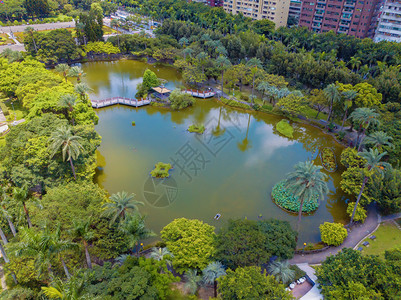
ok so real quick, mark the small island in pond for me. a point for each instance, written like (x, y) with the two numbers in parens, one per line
(287, 201)
(161, 170)
(197, 128)
(285, 128)
(328, 159)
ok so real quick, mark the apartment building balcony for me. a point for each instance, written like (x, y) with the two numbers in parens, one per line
(319, 13)
(351, 5)
(316, 25)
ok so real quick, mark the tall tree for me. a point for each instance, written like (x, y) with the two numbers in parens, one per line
(81, 231)
(5, 200)
(115, 24)
(192, 281)
(333, 96)
(223, 63)
(21, 196)
(282, 271)
(365, 117)
(30, 31)
(134, 228)
(76, 72)
(61, 245)
(63, 69)
(69, 144)
(120, 205)
(379, 139)
(210, 274)
(69, 101)
(254, 64)
(82, 89)
(349, 97)
(373, 163)
(305, 182)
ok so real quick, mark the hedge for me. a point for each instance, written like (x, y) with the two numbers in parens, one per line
(4, 108)
(234, 103)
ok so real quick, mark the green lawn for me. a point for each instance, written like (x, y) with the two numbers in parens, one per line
(388, 236)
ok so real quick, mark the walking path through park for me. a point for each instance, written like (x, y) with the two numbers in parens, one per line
(357, 233)
(355, 236)
(46, 26)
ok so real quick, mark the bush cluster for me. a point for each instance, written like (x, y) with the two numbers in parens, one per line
(333, 234)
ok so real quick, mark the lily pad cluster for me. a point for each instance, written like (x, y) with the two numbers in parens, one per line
(283, 198)
(161, 170)
(328, 159)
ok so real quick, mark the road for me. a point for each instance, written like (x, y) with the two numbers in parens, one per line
(20, 28)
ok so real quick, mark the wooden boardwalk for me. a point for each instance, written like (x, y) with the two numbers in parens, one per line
(119, 100)
(200, 94)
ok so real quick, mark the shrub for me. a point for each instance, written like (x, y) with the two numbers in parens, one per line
(101, 47)
(197, 128)
(233, 103)
(244, 97)
(133, 123)
(286, 200)
(285, 128)
(161, 170)
(4, 108)
(180, 100)
(333, 234)
(360, 214)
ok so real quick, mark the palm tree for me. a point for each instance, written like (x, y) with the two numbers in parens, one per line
(72, 289)
(365, 117)
(159, 254)
(379, 139)
(69, 144)
(263, 87)
(4, 201)
(82, 89)
(333, 96)
(192, 280)
(30, 30)
(69, 101)
(223, 63)
(349, 96)
(120, 204)
(213, 271)
(254, 64)
(115, 24)
(305, 183)
(81, 231)
(37, 245)
(76, 72)
(355, 62)
(63, 68)
(134, 227)
(60, 245)
(20, 196)
(282, 271)
(373, 163)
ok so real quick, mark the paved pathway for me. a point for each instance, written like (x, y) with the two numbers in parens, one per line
(357, 233)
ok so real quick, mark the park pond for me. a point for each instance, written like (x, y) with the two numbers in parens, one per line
(230, 169)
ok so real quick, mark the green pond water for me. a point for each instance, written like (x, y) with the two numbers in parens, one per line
(230, 169)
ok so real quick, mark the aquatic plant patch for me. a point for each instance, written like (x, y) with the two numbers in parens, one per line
(197, 128)
(283, 198)
(328, 159)
(161, 170)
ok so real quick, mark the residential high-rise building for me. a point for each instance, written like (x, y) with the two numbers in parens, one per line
(389, 22)
(215, 2)
(273, 10)
(352, 17)
(295, 10)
